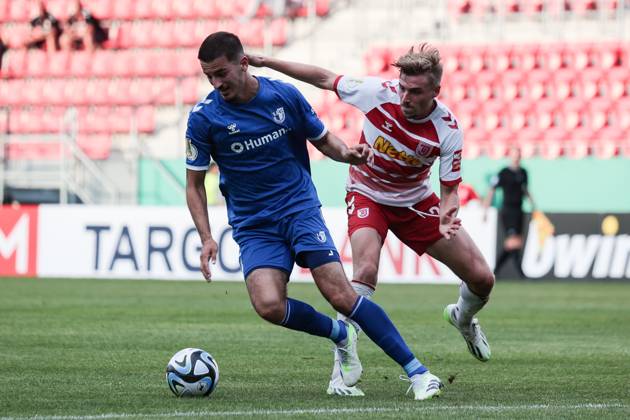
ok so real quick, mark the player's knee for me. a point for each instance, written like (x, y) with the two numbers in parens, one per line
(367, 273)
(484, 282)
(270, 310)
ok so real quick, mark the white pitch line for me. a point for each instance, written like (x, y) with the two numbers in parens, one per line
(358, 410)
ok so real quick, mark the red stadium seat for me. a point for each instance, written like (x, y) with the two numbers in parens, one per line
(162, 35)
(15, 63)
(142, 32)
(97, 147)
(551, 149)
(118, 92)
(617, 83)
(75, 92)
(102, 62)
(94, 120)
(206, 9)
(19, 34)
(4, 14)
(145, 117)
(15, 92)
(36, 63)
(81, 64)
(123, 63)
(579, 144)
(100, 9)
(607, 142)
(534, 7)
(123, 10)
(121, 119)
(19, 11)
(190, 90)
(58, 64)
(53, 92)
(187, 63)
(182, 10)
(183, 33)
(163, 91)
(96, 92)
(499, 142)
(142, 9)
(607, 55)
(140, 92)
(621, 116)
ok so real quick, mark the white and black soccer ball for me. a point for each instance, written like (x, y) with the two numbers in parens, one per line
(192, 373)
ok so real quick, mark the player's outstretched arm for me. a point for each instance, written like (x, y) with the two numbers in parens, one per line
(198, 207)
(316, 76)
(449, 206)
(333, 147)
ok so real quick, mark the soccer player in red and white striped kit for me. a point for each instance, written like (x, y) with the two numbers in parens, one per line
(408, 128)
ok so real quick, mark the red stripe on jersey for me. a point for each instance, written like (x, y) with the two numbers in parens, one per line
(424, 129)
(388, 127)
(375, 182)
(393, 167)
(335, 85)
(451, 183)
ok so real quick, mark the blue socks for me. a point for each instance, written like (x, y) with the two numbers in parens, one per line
(301, 316)
(376, 324)
(371, 318)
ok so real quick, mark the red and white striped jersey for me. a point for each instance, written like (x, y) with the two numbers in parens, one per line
(404, 150)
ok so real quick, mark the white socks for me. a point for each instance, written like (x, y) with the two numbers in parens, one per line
(468, 305)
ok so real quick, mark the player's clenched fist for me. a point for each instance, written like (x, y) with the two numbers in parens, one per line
(358, 154)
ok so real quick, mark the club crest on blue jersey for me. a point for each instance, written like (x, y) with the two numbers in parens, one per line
(232, 129)
(321, 236)
(278, 115)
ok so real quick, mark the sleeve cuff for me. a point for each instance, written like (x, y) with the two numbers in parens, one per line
(319, 137)
(198, 168)
(451, 183)
(335, 85)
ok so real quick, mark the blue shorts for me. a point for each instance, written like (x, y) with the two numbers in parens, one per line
(301, 238)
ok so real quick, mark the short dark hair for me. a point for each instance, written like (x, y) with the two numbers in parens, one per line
(220, 44)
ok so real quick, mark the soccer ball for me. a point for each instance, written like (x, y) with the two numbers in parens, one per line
(192, 373)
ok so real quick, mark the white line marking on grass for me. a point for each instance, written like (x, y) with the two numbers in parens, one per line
(358, 410)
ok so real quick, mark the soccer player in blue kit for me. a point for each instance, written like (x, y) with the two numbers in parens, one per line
(255, 129)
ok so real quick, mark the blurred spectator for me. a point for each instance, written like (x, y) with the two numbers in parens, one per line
(3, 48)
(467, 194)
(82, 31)
(46, 29)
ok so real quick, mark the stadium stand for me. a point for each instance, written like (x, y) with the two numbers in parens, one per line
(129, 100)
(148, 67)
(552, 99)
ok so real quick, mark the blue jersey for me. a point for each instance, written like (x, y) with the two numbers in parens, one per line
(260, 148)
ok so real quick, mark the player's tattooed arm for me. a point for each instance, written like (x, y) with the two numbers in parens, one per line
(198, 207)
(333, 147)
(449, 206)
(314, 75)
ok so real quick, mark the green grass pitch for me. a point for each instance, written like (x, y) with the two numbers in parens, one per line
(98, 349)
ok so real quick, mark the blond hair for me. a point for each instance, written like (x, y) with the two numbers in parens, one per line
(423, 60)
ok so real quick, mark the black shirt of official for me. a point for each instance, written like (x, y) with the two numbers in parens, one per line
(513, 182)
